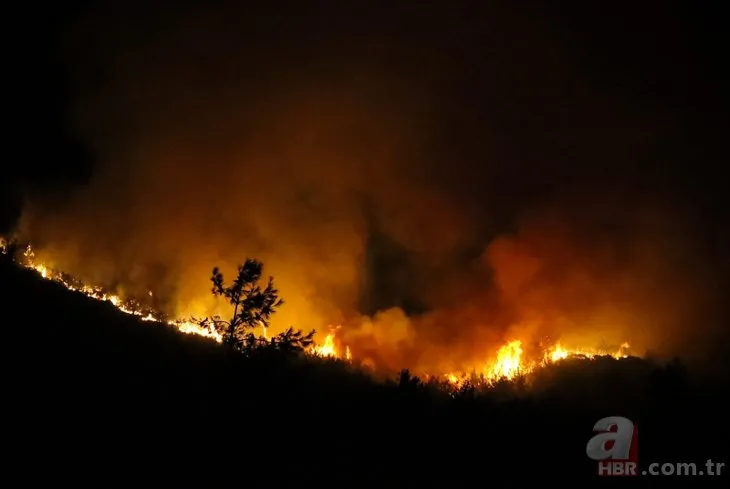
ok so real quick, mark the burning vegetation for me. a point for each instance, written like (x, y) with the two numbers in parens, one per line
(434, 231)
(253, 306)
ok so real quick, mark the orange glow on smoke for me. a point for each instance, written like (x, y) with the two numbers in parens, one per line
(507, 362)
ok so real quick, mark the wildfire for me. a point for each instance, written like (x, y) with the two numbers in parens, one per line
(184, 326)
(508, 362)
(187, 326)
(329, 347)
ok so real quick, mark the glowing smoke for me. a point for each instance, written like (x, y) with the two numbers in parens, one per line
(342, 164)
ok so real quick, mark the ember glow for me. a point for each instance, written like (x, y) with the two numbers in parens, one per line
(508, 362)
(184, 326)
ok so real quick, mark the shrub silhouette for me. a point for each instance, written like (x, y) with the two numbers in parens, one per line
(408, 381)
(292, 341)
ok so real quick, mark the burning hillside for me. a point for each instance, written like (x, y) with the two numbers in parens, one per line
(509, 361)
(437, 206)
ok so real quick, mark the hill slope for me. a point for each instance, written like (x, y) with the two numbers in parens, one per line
(96, 396)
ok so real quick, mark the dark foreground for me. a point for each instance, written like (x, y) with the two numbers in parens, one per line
(94, 398)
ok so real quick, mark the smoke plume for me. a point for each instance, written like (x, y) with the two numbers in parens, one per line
(435, 193)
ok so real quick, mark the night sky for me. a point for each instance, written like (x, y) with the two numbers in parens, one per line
(398, 147)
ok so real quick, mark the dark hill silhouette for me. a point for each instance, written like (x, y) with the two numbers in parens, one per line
(93, 396)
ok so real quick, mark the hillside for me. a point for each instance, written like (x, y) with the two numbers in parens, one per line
(92, 392)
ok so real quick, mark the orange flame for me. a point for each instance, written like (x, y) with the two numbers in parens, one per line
(330, 348)
(508, 363)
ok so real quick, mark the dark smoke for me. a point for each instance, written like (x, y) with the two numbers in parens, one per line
(436, 179)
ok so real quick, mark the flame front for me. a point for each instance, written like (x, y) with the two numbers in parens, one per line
(508, 362)
(330, 349)
(558, 353)
(327, 349)
(187, 326)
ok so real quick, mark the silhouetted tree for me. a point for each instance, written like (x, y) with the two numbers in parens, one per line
(252, 306)
(408, 381)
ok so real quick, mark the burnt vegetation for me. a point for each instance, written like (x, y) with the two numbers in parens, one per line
(103, 398)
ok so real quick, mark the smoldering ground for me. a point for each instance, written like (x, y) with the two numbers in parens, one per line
(436, 182)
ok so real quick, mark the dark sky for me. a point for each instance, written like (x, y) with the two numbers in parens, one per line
(412, 142)
(526, 71)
